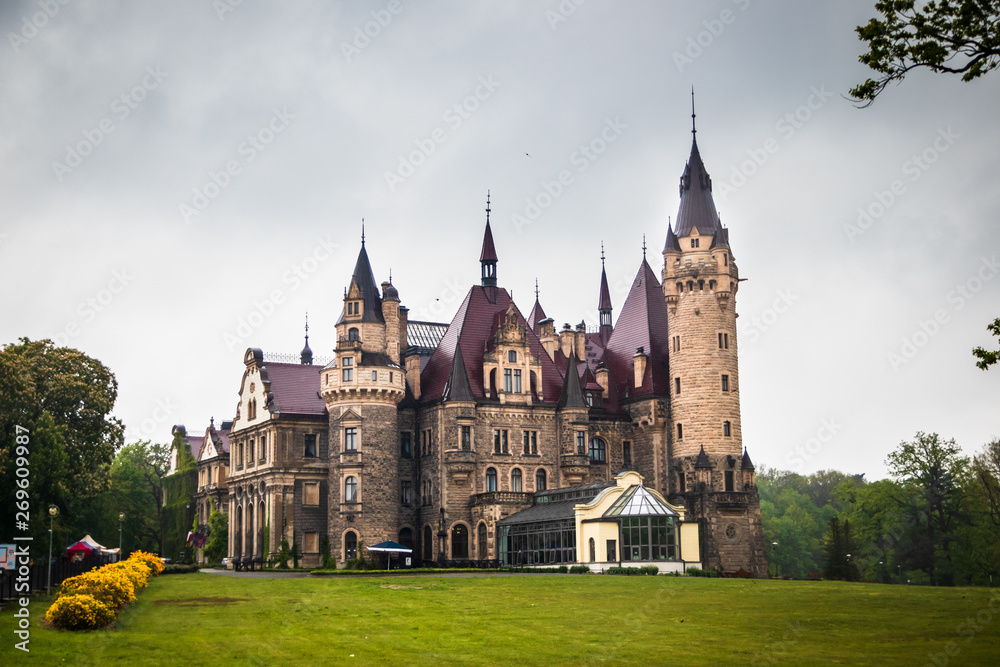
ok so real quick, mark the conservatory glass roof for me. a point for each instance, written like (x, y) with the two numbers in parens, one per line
(637, 501)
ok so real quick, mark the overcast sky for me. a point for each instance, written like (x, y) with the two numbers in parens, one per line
(171, 169)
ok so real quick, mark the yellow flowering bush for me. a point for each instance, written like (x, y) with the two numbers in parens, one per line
(79, 612)
(155, 562)
(92, 599)
(108, 585)
(136, 571)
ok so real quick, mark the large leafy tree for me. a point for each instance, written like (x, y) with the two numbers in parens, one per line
(949, 36)
(62, 400)
(934, 476)
(137, 489)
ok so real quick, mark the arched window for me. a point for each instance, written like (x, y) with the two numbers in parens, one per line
(351, 489)
(481, 541)
(512, 357)
(459, 542)
(428, 544)
(406, 538)
(593, 551)
(493, 383)
(540, 479)
(516, 483)
(690, 286)
(350, 545)
(597, 450)
(352, 334)
(701, 285)
(491, 479)
(680, 288)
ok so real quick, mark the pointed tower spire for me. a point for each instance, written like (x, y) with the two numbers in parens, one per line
(306, 356)
(697, 209)
(572, 393)
(458, 387)
(604, 304)
(488, 256)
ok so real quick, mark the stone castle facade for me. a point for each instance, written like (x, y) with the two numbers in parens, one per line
(428, 434)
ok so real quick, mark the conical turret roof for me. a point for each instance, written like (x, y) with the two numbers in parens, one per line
(697, 207)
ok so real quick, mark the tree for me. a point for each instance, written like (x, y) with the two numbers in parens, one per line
(986, 468)
(950, 36)
(62, 401)
(137, 490)
(839, 546)
(932, 473)
(988, 357)
(218, 536)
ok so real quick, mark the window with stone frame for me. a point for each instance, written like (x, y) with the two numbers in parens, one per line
(727, 429)
(310, 543)
(405, 445)
(507, 383)
(598, 450)
(512, 357)
(459, 542)
(500, 441)
(466, 437)
(530, 442)
(516, 480)
(627, 454)
(310, 445)
(681, 485)
(725, 383)
(351, 439)
(491, 479)
(310, 494)
(581, 442)
(540, 479)
(729, 481)
(517, 381)
(351, 489)
(350, 545)
(406, 492)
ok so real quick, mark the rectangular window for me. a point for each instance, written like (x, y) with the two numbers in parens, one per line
(512, 356)
(310, 493)
(250, 458)
(374, 376)
(310, 543)
(517, 381)
(423, 443)
(695, 243)
(627, 454)
(729, 480)
(677, 343)
(310, 442)
(430, 440)
(581, 442)
(530, 442)
(680, 431)
(680, 482)
(350, 439)
(390, 377)
(496, 441)
(405, 491)
(263, 448)
(677, 385)
(527, 442)
(348, 374)
(348, 361)
(723, 341)
(466, 437)
(503, 440)
(405, 445)
(726, 429)
(506, 380)
(534, 442)
(725, 383)
(612, 551)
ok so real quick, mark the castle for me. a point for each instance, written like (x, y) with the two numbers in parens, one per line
(469, 440)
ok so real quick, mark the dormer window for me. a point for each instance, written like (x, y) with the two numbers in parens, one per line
(694, 243)
(512, 357)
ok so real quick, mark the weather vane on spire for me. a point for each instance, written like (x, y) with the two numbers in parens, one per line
(307, 325)
(644, 246)
(694, 131)
(602, 254)
(487, 207)
(536, 289)
(362, 232)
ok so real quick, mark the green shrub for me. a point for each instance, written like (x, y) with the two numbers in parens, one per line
(579, 569)
(563, 569)
(175, 568)
(650, 569)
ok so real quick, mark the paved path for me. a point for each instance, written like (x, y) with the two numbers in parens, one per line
(275, 574)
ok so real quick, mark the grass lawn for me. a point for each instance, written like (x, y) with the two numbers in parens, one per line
(205, 619)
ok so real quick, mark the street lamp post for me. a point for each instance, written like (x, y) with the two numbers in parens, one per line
(849, 577)
(53, 513)
(121, 518)
(775, 552)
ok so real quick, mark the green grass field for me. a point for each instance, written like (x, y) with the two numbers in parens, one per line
(204, 619)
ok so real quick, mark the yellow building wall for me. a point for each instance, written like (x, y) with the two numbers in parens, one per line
(689, 542)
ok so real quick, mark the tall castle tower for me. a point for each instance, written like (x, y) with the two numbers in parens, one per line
(362, 388)
(711, 471)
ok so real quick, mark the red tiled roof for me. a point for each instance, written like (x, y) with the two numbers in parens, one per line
(642, 323)
(536, 315)
(605, 301)
(195, 443)
(223, 440)
(473, 325)
(295, 388)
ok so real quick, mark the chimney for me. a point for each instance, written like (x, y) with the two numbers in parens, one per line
(413, 374)
(548, 337)
(581, 341)
(566, 340)
(602, 377)
(639, 366)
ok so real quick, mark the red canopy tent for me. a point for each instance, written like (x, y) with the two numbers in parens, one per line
(85, 548)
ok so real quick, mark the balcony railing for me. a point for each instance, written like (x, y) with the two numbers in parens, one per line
(502, 498)
(732, 499)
